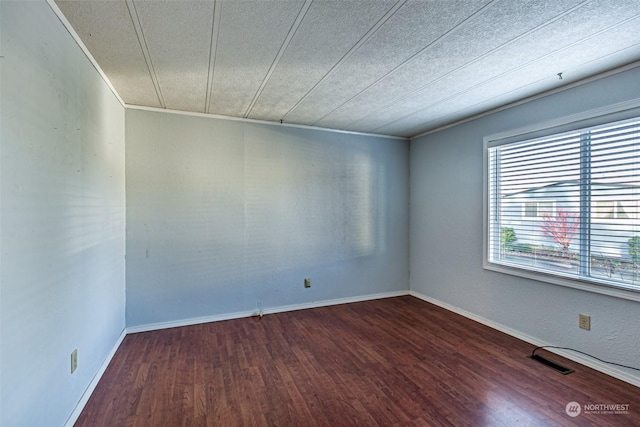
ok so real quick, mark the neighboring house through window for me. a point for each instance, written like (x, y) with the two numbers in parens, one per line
(566, 205)
(537, 209)
(615, 209)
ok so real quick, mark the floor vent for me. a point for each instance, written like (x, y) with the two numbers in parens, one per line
(559, 368)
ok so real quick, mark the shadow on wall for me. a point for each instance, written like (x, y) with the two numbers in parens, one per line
(221, 213)
(306, 205)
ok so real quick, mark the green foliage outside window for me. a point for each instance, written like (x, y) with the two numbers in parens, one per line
(507, 238)
(634, 248)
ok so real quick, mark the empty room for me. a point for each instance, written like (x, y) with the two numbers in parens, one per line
(319, 213)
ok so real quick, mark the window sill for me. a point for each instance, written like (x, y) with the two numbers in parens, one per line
(588, 286)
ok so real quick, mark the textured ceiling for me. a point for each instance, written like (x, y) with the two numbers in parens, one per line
(377, 66)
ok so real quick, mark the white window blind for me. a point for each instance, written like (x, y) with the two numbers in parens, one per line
(568, 204)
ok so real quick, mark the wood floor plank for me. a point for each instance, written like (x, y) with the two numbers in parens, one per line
(391, 362)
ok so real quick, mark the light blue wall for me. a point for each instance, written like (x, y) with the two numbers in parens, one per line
(62, 218)
(224, 216)
(446, 234)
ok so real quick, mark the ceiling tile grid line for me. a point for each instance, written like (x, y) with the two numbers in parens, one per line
(439, 125)
(215, 30)
(330, 29)
(105, 29)
(283, 48)
(135, 20)
(397, 67)
(467, 64)
(413, 27)
(579, 68)
(580, 60)
(499, 25)
(250, 35)
(580, 54)
(506, 98)
(407, 61)
(515, 69)
(179, 48)
(347, 55)
(513, 95)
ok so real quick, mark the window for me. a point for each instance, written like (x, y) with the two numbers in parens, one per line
(566, 205)
(612, 209)
(537, 209)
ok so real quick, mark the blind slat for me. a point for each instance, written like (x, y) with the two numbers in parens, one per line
(569, 204)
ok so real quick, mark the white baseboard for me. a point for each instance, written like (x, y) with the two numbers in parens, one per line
(94, 382)
(599, 366)
(206, 319)
(576, 357)
(187, 322)
(265, 311)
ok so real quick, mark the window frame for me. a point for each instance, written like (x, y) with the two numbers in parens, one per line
(617, 112)
(616, 210)
(537, 216)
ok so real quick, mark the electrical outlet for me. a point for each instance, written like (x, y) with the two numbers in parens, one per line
(307, 282)
(584, 322)
(74, 360)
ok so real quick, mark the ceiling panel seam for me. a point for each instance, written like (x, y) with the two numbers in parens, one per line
(135, 19)
(473, 61)
(470, 107)
(292, 31)
(411, 58)
(215, 31)
(350, 53)
(512, 70)
(478, 58)
(611, 108)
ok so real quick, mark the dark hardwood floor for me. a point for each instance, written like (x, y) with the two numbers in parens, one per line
(391, 362)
